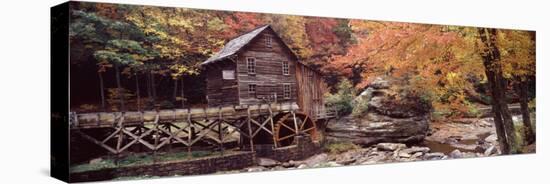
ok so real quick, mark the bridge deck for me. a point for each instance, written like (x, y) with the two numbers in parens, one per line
(110, 119)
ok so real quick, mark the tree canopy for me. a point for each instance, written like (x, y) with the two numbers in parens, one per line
(442, 64)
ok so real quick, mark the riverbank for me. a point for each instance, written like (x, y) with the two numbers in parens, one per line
(457, 138)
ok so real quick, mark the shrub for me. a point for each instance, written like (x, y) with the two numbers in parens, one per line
(340, 147)
(360, 107)
(472, 111)
(342, 99)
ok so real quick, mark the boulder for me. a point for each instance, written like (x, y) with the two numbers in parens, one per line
(316, 159)
(345, 162)
(416, 149)
(490, 151)
(289, 164)
(456, 154)
(492, 138)
(267, 162)
(375, 158)
(417, 155)
(390, 146)
(391, 117)
(404, 155)
(434, 156)
(255, 169)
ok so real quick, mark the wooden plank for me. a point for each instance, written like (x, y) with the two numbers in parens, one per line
(97, 142)
(140, 137)
(135, 137)
(88, 120)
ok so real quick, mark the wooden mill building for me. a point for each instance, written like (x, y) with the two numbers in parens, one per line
(258, 67)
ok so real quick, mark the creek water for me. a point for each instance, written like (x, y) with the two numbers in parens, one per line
(447, 147)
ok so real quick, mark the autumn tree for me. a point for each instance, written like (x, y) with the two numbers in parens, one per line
(106, 38)
(518, 64)
(432, 61)
(493, 68)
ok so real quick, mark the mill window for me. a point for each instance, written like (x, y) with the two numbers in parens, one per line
(252, 90)
(268, 41)
(228, 74)
(285, 68)
(251, 65)
(286, 91)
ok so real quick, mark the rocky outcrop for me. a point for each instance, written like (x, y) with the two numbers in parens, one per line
(390, 117)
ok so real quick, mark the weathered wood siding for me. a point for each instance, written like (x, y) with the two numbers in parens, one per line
(268, 78)
(311, 89)
(221, 91)
(306, 86)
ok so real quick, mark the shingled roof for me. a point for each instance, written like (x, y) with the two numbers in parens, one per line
(234, 45)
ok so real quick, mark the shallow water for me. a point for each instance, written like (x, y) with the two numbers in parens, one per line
(436, 146)
(447, 148)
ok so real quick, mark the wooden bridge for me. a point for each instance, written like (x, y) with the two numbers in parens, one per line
(272, 123)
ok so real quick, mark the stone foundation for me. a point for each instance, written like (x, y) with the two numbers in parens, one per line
(303, 149)
(198, 166)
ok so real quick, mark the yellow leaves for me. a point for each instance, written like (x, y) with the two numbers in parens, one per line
(517, 50)
(451, 77)
(184, 23)
(180, 69)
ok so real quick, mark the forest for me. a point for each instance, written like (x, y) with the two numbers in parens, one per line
(126, 57)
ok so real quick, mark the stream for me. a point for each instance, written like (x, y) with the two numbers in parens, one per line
(447, 147)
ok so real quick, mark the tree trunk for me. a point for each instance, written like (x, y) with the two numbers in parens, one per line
(138, 102)
(119, 89)
(502, 117)
(149, 93)
(175, 94)
(529, 133)
(102, 91)
(182, 95)
(497, 116)
(153, 87)
(506, 115)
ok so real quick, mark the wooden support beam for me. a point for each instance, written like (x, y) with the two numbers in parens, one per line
(120, 135)
(220, 132)
(304, 122)
(174, 135)
(204, 132)
(137, 139)
(111, 135)
(191, 131)
(251, 137)
(112, 150)
(287, 127)
(271, 122)
(295, 122)
(261, 127)
(156, 129)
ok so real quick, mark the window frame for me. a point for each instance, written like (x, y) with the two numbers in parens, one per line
(227, 71)
(249, 67)
(287, 68)
(268, 40)
(252, 93)
(285, 92)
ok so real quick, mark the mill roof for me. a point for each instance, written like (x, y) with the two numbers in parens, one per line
(235, 45)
